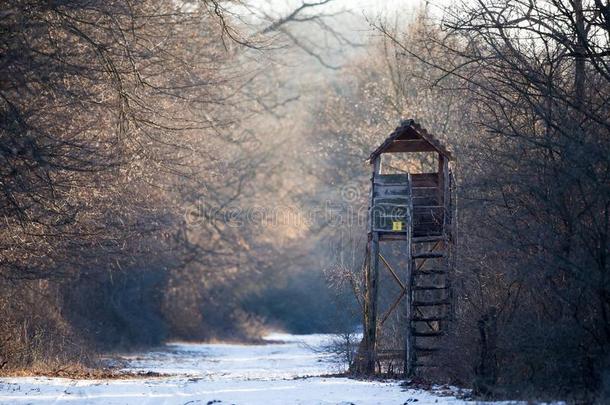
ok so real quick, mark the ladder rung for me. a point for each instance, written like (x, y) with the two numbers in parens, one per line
(426, 349)
(428, 255)
(429, 288)
(423, 239)
(429, 303)
(430, 319)
(428, 334)
(425, 365)
(428, 272)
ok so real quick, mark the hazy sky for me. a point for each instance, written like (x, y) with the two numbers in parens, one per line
(354, 25)
(369, 9)
(366, 6)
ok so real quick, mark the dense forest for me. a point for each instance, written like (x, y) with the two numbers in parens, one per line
(195, 170)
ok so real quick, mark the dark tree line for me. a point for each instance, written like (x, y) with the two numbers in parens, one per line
(127, 130)
(520, 90)
(116, 118)
(109, 112)
(537, 201)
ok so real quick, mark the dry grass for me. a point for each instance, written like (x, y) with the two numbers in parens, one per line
(80, 372)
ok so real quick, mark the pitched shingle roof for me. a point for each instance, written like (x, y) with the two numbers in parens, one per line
(412, 130)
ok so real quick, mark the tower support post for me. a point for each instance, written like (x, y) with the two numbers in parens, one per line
(409, 352)
(370, 310)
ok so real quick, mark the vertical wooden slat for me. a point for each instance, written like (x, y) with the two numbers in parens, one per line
(441, 178)
(409, 352)
(445, 183)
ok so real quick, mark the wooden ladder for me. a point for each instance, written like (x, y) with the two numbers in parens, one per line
(431, 299)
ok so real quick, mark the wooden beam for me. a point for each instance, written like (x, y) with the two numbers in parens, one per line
(410, 146)
(371, 283)
(392, 308)
(402, 286)
(370, 305)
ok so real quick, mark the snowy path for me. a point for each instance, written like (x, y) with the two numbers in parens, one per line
(222, 374)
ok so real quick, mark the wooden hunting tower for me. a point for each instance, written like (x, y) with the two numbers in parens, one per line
(412, 204)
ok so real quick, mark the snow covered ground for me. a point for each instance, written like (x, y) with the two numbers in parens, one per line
(263, 374)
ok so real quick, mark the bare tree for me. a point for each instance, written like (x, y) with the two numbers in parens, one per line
(535, 221)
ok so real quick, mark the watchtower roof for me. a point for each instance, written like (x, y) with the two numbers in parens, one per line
(410, 137)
